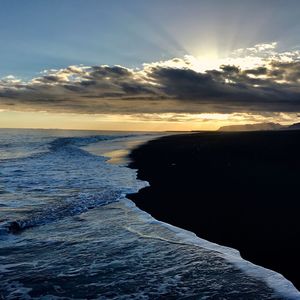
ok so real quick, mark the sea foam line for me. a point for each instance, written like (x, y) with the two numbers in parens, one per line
(280, 285)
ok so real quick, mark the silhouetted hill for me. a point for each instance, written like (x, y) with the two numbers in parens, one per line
(253, 127)
(294, 126)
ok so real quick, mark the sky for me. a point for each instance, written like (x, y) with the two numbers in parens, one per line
(148, 65)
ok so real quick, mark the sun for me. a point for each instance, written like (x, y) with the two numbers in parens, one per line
(212, 61)
(204, 62)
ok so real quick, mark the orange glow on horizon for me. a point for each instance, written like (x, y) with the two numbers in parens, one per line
(141, 122)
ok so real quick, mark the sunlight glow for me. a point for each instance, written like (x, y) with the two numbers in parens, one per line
(211, 61)
(205, 62)
(163, 115)
(136, 122)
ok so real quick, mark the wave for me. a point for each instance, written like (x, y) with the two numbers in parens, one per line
(69, 208)
(281, 286)
(85, 179)
(83, 141)
(24, 146)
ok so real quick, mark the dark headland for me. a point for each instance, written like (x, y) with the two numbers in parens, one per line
(239, 189)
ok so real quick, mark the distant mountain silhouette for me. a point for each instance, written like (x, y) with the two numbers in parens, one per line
(294, 126)
(254, 127)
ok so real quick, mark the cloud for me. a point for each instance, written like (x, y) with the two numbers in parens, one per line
(172, 86)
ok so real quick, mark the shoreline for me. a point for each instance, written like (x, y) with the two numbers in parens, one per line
(192, 175)
(277, 282)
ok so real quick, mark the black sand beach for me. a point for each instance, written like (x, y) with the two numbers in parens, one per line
(237, 189)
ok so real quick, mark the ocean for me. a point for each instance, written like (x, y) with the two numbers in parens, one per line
(67, 230)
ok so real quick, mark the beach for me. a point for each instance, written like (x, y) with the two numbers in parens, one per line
(235, 189)
(67, 230)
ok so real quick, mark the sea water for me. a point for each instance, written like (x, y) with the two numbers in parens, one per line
(67, 230)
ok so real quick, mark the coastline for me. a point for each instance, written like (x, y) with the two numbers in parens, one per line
(281, 287)
(140, 256)
(197, 182)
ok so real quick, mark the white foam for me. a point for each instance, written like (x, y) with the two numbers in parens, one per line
(274, 280)
(126, 180)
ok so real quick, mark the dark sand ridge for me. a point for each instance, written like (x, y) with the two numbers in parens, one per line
(237, 189)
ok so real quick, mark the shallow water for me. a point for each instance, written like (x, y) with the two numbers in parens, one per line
(68, 232)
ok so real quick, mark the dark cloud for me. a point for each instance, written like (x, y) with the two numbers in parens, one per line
(230, 69)
(257, 72)
(158, 88)
(286, 71)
